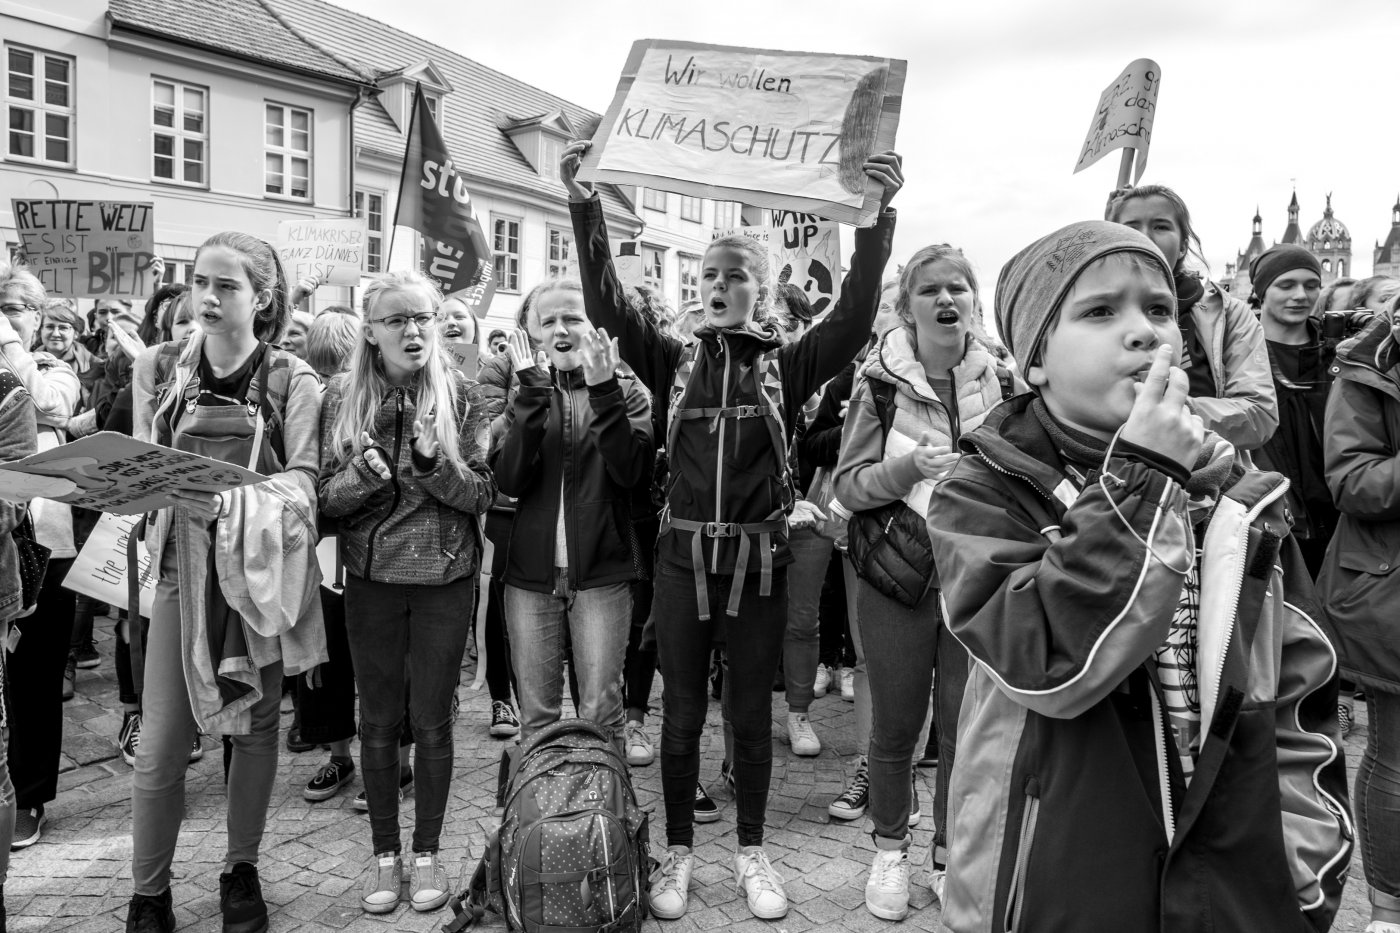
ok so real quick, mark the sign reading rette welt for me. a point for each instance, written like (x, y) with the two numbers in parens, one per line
(784, 130)
(1123, 118)
(110, 472)
(332, 251)
(88, 249)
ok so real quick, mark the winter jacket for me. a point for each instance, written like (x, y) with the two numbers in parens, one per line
(1246, 413)
(419, 526)
(1068, 810)
(1360, 582)
(56, 392)
(583, 448)
(732, 475)
(18, 439)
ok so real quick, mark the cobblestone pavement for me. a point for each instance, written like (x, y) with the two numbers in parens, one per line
(78, 877)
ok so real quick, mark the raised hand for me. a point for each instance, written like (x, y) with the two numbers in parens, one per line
(425, 442)
(933, 462)
(886, 168)
(598, 353)
(304, 287)
(569, 161)
(373, 457)
(1161, 421)
(522, 356)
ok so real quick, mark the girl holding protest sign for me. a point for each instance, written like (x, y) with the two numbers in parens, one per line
(722, 556)
(403, 464)
(225, 393)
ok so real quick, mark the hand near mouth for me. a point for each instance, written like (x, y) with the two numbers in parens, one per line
(1161, 420)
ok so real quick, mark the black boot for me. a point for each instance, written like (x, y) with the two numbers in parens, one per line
(150, 914)
(241, 900)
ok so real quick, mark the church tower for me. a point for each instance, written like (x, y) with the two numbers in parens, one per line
(1330, 241)
(1386, 259)
(1237, 272)
(1293, 234)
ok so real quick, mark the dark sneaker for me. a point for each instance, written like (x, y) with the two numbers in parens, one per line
(503, 720)
(129, 739)
(88, 658)
(294, 743)
(333, 775)
(1344, 718)
(706, 810)
(854, 800)
(361, 802)
(29, 826)
(70, 677)
(241, 900)
(146, 914)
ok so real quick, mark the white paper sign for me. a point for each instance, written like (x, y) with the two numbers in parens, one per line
(99, 571)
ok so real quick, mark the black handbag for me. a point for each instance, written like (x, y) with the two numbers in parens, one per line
(890, 549)
(33, 561)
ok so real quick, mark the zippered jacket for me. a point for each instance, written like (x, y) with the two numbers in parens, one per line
(1068, 810)
(1360, 581)
(419, 526)
(731, 475)
(1246, 412)
(584, 449)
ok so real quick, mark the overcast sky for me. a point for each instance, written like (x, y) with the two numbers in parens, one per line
(1000, 93)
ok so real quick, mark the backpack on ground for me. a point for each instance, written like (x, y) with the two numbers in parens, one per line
(571, 852)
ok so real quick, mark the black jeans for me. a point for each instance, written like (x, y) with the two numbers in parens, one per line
(500, 675)
(639, 671)
(34, 677)
(754, 639)
(126, 677)
(949, 685)
(837, 648)
(327, 710)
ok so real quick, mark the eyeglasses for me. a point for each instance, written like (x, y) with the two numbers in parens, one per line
(13, 309)
(397, 322)
(59, 327)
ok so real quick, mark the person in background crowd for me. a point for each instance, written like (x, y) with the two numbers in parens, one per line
(1374, 294)
(690, 316)
(38, 661)
(294, 337)
(337, 309)
(1336, 296)
(104, 308)
(220, 635)
(698, 593)
(497, 342)
(60, 335)
(329, 343)
(1222, 344)
(1361, 590)
(403, 461)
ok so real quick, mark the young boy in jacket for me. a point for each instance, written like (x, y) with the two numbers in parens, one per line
(1148, 740)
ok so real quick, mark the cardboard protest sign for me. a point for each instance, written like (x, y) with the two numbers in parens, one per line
(805, 250)
(110, 472)
(1123, 118)
(464, 357)
(88, 249)
(99, 570)
(785, 130)
(330, 250)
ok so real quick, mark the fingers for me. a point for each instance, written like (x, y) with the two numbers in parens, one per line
(1156, 382)
(1178, 388)
(577, 148)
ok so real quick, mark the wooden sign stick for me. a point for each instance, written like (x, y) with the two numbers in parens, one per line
(1125, 167)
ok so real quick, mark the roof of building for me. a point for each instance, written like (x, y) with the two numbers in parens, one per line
(485, 103)
(245, 29)
(1391, 246)
(1329, 230)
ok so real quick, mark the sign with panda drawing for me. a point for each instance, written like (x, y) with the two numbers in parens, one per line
(804, 250)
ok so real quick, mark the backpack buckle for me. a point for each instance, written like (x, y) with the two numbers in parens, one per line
(719, 530)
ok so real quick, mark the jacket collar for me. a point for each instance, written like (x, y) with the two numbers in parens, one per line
(895, 362)
(762, 335)
(1372, 356)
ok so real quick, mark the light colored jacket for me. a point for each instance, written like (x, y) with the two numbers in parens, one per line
(1246, 412)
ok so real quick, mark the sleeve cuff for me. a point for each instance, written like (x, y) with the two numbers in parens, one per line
(1154, 460)
(606, 387)
(422, 464)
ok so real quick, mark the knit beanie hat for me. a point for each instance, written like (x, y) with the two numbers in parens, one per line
(1033, 285)
(1277, 260)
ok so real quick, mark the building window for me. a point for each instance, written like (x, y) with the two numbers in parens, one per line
(656, 200)
(690, 277)
(39, 88)
(690, 208)
(1326, 266)
(1341, 268)
(434, 107)
(179, 271)
(560, 252)
(549, 157)
(287, 132)
(370, 206)
(654, 268)
(180, 118)
(506, 244)
(726, 215)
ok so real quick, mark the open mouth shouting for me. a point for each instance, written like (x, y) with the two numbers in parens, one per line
(452, 330)
(563, 346)
(718, 305)
(947, 317)
(413, 348)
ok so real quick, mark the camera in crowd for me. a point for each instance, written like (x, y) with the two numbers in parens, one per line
(1338, 325)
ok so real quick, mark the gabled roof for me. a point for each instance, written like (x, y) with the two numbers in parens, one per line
(424, 72)
(485, 101)
(243, 29)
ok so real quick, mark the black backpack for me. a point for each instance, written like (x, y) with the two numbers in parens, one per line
(571, 853)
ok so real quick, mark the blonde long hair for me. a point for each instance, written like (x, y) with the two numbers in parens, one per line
(366, 383)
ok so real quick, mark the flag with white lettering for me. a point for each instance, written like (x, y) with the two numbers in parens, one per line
(433, 200)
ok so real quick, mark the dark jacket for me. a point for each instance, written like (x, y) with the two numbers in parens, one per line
(1068, 810)
(420, 525)
(593, 444)
(732, 475)
(1360, 582)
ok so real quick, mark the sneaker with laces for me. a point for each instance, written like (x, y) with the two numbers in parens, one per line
(854, 800)
(427, 884)
(504, 723)
(887, 891)
(1382, 926)
(29, 826)
(938, 878)
(760, 884)
(88, 658)
(823, 681)
(241, 901)
(669, 889)
(361, 802)
(1345, 718)
(328, 781)
(914, 814)
(639, 748)
(150, 913)
(383, 879)
(804, 741)
(848, 684)
(129, 739)
(726, 774)
(706, 810)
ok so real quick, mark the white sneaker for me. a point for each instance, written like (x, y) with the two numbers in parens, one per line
(1382, 926)
(938, 878)
(848, 684)
(670, 884)
(804, 740)
(383, 879)
(759, 883)
(427, 886)
(887, 891)
(638, 744)
(823, 681)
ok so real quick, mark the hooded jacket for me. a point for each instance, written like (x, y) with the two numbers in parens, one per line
(1360, 583)
(1246, 412)
(582, 448)
(1067, 806)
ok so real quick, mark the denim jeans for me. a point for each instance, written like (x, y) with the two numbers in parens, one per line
(1378, 799)
(802, 644)
(388, 622)
(754, 640)
(598, 621)
(949, 685)
(7, 804)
